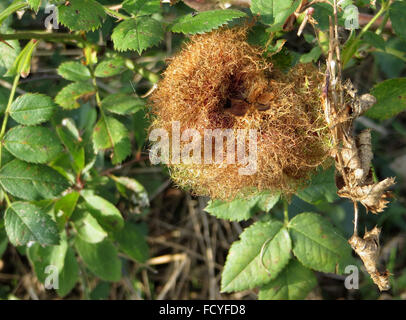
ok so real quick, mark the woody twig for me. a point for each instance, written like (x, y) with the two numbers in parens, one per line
(353, 155)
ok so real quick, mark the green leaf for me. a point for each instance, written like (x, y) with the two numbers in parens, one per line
(123, 104)
(69, 274)
(26, 222)
(274, 12)
(322, 187)
(34, 4)
(32, 108)
(60, 257)
(137, 34)
(8, 54)
(81, 15)
(13, 7)
(74, 71)
(70, 137)
(374, 40)
(32, 181)
(397, 13)
(321, 14)
(6, 157)
(108, 216)
(142, 7)
(204, 21)
(311, 56)
(101, 258)
(244, 268)
(68, 97)
(110, 67)
(32, 144)
(132, 242)
(293, 283)
(89, 229)
(139, 192)
(22, 64)
(111, 133)
(64, 208)
(317, 244)
(391, 99)
(242, 209)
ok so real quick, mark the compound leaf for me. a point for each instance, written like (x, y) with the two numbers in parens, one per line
(244, 268)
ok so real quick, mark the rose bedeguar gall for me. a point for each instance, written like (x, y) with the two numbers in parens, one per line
(219, 81)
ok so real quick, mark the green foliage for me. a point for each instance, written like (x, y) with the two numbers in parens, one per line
(101, 258)
(391, 99)
(32, 144)
(8, 52)
(60, 257)
(322, 188)
(68, 97)
(32, 108)
(34, 4)
(274, 12)
(107, 215)
(262, 252)
(123, 104)
(74, 71)
(137, 34)
(32, 181)
(317, 244)
(397, 12)
(293, 283)
(242, 209)
(110, 67)
(111, 133)
(142, 7)
(81, 15)
(204, 21)
(126, 237)
(26, 222)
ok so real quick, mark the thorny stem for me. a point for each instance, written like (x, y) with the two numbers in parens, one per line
(355, 218)
(62, 37)
(7, 112)
(4, 125)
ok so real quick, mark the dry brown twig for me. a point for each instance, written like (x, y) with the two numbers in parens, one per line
(353, 155)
